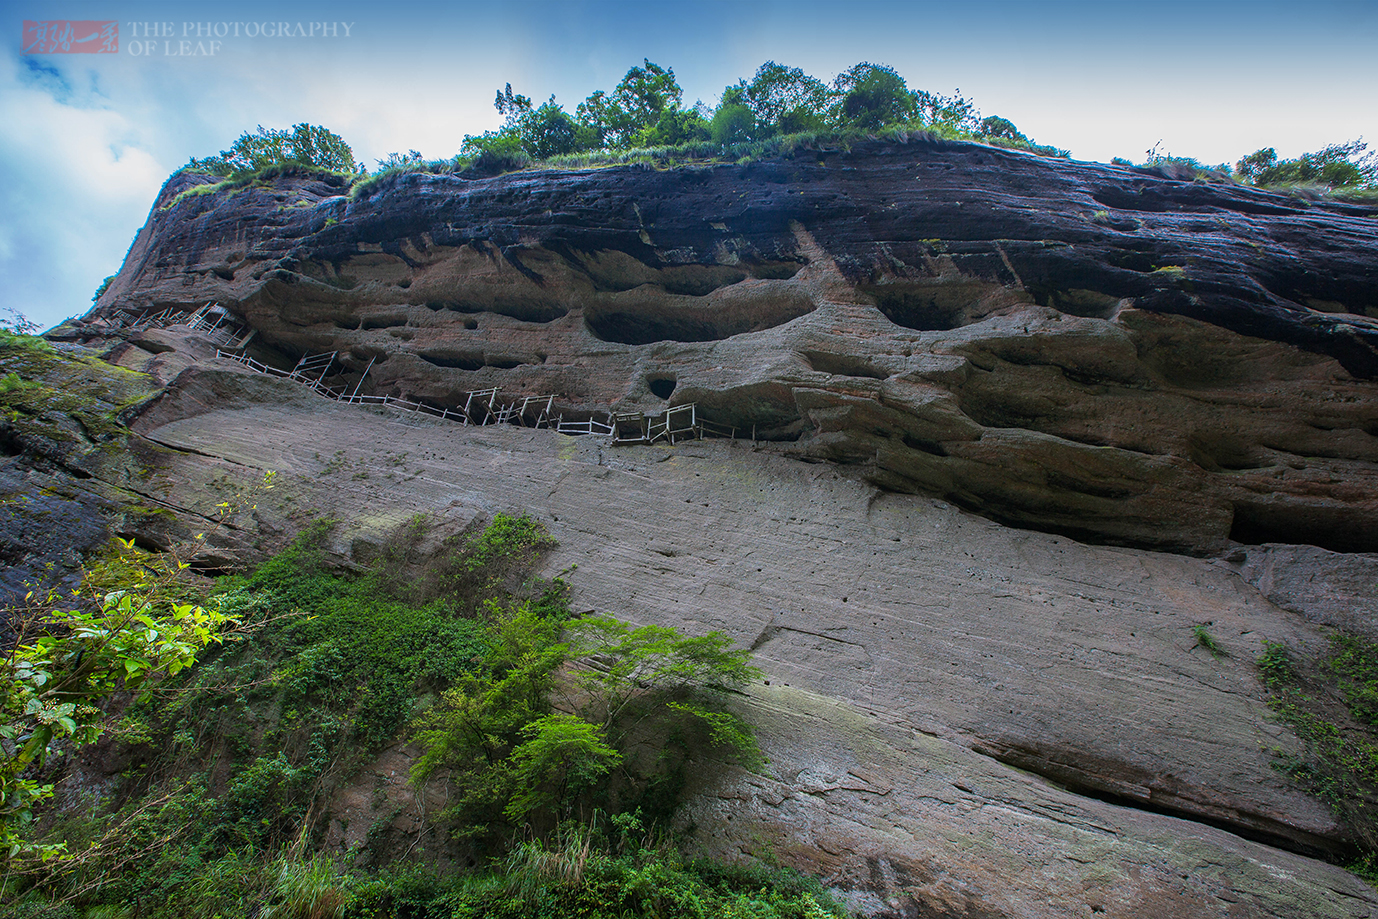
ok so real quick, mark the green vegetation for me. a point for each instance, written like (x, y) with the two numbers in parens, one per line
(645, 111)
(1338, 166)
(1330, 701)
(45, 388)
(64, 663)
(1206, 640)
(104, 286)
(644, 120)
(781, 110)
(562, 744)
(305, 145)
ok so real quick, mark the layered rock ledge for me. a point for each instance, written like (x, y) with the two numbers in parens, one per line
(1105, 352)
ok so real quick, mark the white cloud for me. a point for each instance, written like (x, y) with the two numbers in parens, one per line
(78, 179)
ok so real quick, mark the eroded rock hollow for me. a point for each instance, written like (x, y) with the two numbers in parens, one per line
(1105, 352)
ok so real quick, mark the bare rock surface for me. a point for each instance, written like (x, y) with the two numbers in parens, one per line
(1332, 588)
(962, 719)
(1109, 353)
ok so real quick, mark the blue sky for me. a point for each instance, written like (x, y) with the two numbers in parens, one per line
(87, 139)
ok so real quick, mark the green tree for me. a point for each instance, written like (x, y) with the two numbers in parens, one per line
(511, 758)
(732, 124)
(304, 145)
(561, 756)
(872, 96)
(995, 126)
(674, 126)
(635, 105)
(782, 100)
(650, 661)
(1337, 166)
(482, 718)
(955, 113)
(541, 132)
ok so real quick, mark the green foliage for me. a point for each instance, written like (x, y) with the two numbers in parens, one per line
(997, 127)
(241, 751)
(643, 121)
(13, 382)
(358, 647)
(635, 106)
(14, 324)
(538, 133)
(725, 730)
(483, 717)
(595, 872)
(1354, 663)
(1275, 666)
(65, 663)
(871, 96)
(495, 152)
(562, 756)
(408, 160)
(507, 537)
(305, 145)
(954, 115)
(1337, 166)
(578, 873)
(313, 889)
(651, 660)
(1205, 640)
(782, 100)
(512, 761)
(104, 285)
(732, 124)
(16, 333)
(1328, 702)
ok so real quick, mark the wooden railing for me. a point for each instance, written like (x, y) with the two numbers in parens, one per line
(483, 407)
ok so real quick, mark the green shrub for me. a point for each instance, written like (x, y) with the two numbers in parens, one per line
(1328, 702)
(242, 749)
(576, 874)
(732, 124)
(1337, 166)
(1275, 666)
(1354, 662)
(313, 889)
(1205, 640)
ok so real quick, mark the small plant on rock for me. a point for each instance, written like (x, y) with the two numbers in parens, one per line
(1205, 639)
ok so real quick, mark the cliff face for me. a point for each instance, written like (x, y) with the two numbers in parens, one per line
(1104, 352)
(962, 718)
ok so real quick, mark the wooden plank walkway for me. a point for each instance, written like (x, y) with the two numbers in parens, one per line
(485, 406)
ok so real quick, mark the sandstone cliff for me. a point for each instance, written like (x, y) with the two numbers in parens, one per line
(963, 718)
(1099, 351)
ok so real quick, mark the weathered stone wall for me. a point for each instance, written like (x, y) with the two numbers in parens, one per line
(1105, 352)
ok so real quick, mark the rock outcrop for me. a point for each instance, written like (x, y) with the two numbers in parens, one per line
(1105, 352)
(962, 718)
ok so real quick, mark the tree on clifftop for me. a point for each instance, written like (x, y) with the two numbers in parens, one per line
(304, 145)
(1337, 166)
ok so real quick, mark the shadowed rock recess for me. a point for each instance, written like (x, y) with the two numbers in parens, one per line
(964, 716)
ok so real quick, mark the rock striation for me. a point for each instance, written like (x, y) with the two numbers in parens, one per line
(961, 718)
(1111, 353)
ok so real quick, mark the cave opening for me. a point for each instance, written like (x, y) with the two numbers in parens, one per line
(661, 386)
(1336, 529)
